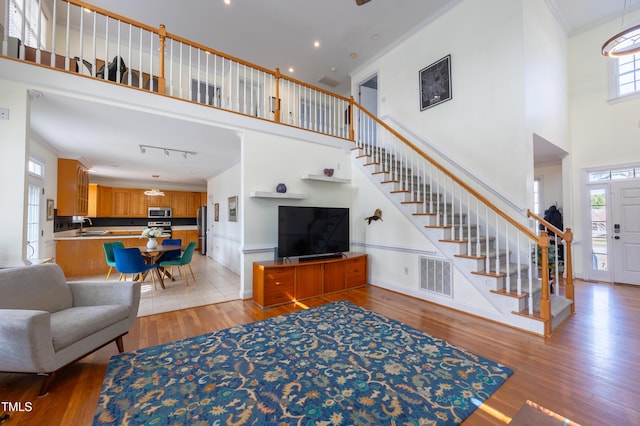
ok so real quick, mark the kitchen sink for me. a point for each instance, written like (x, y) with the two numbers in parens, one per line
(92, 233)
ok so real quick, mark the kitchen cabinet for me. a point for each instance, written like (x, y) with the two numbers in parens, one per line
(100, 201)
(121, 202)
(73, 188)
(138, 203)
(184, 204)
(159, 201)
(279, 282)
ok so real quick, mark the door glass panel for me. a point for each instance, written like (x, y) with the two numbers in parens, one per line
(599, 252)
(33, 222)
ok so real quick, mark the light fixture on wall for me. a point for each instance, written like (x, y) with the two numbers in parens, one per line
(167, 151)
(626, 42)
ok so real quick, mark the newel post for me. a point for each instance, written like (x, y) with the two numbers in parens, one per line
(568, 267)
(276, 101)
(545, 303)
(352, 135)
(162, 33)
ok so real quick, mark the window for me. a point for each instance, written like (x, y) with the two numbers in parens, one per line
(537, 195)
(628, 75)
(626, 173)
(36, 168)
(28, 22)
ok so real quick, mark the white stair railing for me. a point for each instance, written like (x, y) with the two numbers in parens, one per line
(500, 243)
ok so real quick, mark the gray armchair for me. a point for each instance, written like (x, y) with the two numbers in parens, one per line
(47, 323)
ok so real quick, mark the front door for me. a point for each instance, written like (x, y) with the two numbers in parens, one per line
(626, 232)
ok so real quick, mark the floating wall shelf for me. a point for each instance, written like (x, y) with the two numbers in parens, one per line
(261, 194)
(325, 178)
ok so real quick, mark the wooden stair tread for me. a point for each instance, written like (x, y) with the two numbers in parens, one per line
(513, 294)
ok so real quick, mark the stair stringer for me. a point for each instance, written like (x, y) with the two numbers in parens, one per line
(503, 306)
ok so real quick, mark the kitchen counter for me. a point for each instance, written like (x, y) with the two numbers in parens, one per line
(110, 233)
(105, 233)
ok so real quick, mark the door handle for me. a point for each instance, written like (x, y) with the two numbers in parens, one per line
(617, 237)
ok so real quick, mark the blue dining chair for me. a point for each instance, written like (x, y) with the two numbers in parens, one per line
(182, 261)
(130, 261)
(173, 254)
(108, 254)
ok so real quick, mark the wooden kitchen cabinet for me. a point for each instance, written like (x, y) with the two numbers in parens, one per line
(279, 282)
(184, 204)
(186, 236)
(73, 188)
(121, 202)
(138, 203)
(160, 201)
(100, 201)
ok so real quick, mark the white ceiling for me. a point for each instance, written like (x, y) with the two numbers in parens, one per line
(276, 34)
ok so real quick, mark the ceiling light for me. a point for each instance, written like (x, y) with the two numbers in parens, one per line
(290, 69)
(154, 193)
(316, 43)
(227, 2)
(353, 55)
(626, 42)
(166, 151)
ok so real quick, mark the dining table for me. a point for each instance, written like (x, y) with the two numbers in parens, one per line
(153, 254)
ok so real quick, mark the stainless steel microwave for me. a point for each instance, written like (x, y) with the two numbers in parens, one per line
(159, 212)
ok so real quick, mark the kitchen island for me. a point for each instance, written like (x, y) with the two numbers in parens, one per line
(83, 255)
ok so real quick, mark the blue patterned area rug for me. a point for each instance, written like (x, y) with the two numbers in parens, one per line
(336, 364)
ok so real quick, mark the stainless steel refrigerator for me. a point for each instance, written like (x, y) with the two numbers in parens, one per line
(201, 221)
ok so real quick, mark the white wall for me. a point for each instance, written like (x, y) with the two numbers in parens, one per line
(14, 148)
(604, 133)
(224, 236)
(483, 124)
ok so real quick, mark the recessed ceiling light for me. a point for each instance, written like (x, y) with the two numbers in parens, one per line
(291, 69)
(227, 1)
(353, 55)
(316, 43)
(333, 69)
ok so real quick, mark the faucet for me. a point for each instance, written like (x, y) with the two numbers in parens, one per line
(88, 219)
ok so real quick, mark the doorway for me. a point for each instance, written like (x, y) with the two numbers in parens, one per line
(613, 248)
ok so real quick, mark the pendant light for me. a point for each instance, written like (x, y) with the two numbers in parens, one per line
(154, 193)
(626, 42)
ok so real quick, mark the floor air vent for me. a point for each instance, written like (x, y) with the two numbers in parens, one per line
(436, 276)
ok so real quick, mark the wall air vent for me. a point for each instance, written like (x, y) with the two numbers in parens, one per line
(328, 81)
(436, 276)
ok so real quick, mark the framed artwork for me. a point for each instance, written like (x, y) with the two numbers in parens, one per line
(216, 212)
(435, 83)
(233, 208)
(49, 209)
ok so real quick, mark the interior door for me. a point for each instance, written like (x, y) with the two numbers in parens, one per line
(626, 232)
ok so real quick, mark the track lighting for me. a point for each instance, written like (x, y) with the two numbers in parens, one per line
(166, 151)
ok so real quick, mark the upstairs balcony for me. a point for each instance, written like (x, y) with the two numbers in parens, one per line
(80, 38)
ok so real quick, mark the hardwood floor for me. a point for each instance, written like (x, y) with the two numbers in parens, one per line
(587, 371)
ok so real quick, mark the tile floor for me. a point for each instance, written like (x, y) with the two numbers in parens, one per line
(214, 284)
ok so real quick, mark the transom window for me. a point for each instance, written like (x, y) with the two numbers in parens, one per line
(628, 75)
(617, 174)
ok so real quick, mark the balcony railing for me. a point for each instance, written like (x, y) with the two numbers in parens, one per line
(87, 40)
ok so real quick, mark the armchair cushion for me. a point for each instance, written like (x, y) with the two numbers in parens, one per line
(74, 324)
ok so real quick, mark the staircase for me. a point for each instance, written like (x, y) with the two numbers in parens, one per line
(490, 250)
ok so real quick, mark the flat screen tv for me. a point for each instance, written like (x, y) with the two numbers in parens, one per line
(312, 232)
